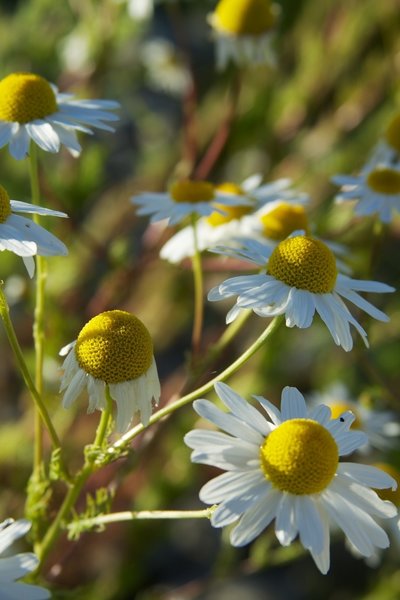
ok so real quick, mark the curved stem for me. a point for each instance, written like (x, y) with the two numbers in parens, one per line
(198, 292)
(37, 399)
(170, 408)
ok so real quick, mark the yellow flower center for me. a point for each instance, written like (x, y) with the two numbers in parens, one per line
(384, 181)
(338, 408)
(114, 347)
(244, 17)
(388, 494)
(25, 97)
(187, 190)
(392, 133)
(5, 206)
(300, 457)
(304, 263)
(230, 212)
(283, 220)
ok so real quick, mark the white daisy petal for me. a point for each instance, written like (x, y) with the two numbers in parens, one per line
(367, 475)
(255, 520)
(242, 409)
(44, 135)
(19, 143)
(286, 527)
(309, 523)
(293, 404)
(220, 487)
(230, 423)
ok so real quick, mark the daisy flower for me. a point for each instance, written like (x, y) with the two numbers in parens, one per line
(23, 236)
(376, 190)
(113, 349)
(243, 31)
(245, 220)
(299, 278)
(287, 468)
(14, 567)
(31, 108)
(381, 426)
(186, 197)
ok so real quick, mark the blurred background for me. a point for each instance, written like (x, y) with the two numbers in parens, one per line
(318, 113)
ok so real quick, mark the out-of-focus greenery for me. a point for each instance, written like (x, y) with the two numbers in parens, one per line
(318, 113)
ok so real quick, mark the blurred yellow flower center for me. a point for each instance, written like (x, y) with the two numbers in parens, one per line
(388, 494)
(384, 181)
(338, 408)
(5, 206)
(25, 97)
(392, 133)
(187, 190)
(114, 347)
(283, 220)
(230, 212)
(244, 17)
(304, 263)
(300, 457)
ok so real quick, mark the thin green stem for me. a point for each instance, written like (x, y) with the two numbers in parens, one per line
(143, 515)
(38, 325)
(204, 389)
(43, 549)
(37, 399)
(198, 292)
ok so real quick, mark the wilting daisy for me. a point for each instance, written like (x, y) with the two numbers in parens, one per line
(376, 190)
(381, 426)
(113, 349)
(242, 220)
(300, 278)
(287, 468)
(15, 567)
(243, 31)
(31, 108)
(24, 237)
(186, 197)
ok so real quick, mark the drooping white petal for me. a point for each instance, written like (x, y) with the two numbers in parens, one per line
(255, 519)
(43, 135)
(286, 527)
(309, 523)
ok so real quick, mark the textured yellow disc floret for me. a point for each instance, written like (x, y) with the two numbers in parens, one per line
(338, 408)
(5, 206)
(384, 181)
(388, 494)
(114, 347)
(25, 97)
(283, 220)
(304, 263)
(244, 17)
(300, 457)
(392, 133)
(192, 191)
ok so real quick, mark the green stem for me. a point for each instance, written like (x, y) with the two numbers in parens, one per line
(38, 325)
(198, 292)
(143, 515)
(163, 412)
(12, 338)
(43, 549)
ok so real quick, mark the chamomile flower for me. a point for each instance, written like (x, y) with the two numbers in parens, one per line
(23, 236)
(113, 349)
(186, 197)
(287, 468)
(15, 567)
(243, 31)
(299, 278)
(381, 426)
(32, 109)
(376, 190)
(246, 220)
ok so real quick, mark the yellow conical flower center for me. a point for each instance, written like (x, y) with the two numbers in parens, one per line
(187, 190)
(392, 133)
(25, 97)
(5, 206)
(230, 212)
(384, 181)
(338, 408)
(244, 17)
(300, 457)
(282, 220)
(114, 347)
(304, 263)
(388, 494)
